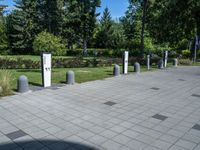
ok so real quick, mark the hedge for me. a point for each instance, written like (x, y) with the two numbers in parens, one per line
(77, 62)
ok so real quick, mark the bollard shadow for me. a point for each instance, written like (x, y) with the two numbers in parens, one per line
(32, 70)
(63, 82)
(35, 84)
(108, 72)
(29, 70)
(46, 144)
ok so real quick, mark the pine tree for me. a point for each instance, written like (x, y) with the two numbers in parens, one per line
(50, 15)
(3, 32)
(104, 36)
(22, 26)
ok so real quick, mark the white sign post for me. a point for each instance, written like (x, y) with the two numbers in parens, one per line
(125, 62)
(165, 58)
(46, 69)
(148, 62)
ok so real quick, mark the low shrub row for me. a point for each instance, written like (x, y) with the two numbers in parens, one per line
(77, 62)
(20, 63)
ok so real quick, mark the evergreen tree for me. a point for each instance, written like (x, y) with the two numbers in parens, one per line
(50, 15)
(3, 32)
(129, 19)
(22, 27)
(104, 36)
(87, 12)
(71, 23)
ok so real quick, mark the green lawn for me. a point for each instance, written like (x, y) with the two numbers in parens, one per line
(59, 75)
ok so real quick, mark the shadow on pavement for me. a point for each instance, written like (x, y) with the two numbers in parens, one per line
(45, 145)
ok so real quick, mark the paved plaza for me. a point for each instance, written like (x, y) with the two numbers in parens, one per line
(157, 110)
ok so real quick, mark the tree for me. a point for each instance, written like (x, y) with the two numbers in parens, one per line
(71, 23)
(48, 42)
(143, 5)
(3, 33)
(174, 20)
(132, 26)
(50, 15)
(22, 26)
(104, 36)
(87, 12)
(117, 38)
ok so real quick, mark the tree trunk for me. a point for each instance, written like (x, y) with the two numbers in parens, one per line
(143, 28)
(85, 47)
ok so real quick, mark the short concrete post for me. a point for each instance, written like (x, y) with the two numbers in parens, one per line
(70, 77)
(175, 62)
(148, 62)
(160, 64)
(137, 67)
(116, 70)
(22, 84)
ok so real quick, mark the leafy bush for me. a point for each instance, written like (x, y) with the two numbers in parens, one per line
(20, 63)
(5, 82)
(185, 62)
(186, 53)
(48, 42)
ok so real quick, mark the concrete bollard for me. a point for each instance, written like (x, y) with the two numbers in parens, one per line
(175, 62)
(116, 70)
(137, 67)
(70, 77)
(160, 64)
(148, 62)
(22, 84)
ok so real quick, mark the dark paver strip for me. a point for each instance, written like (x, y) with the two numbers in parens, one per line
(109, 103)
(16, 134)
(195, 95)
(196, 127)
(155, 88)
(160, 117)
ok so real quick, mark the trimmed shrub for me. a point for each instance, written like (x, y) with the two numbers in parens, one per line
(186, 62)
(186, 53)
(47, 42)
(5, 82)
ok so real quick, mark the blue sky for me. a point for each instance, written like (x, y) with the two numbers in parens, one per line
(116, 7)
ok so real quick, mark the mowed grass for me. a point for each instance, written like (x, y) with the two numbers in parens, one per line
(59, 74)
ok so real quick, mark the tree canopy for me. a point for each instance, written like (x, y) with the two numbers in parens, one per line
(147, 25)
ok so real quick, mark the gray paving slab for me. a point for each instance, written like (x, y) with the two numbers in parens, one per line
(115, 113)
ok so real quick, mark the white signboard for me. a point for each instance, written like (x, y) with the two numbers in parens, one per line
(165, 58)
(125, 62)
(46, 69)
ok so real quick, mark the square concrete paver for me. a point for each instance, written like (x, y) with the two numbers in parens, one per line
(150, 111)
